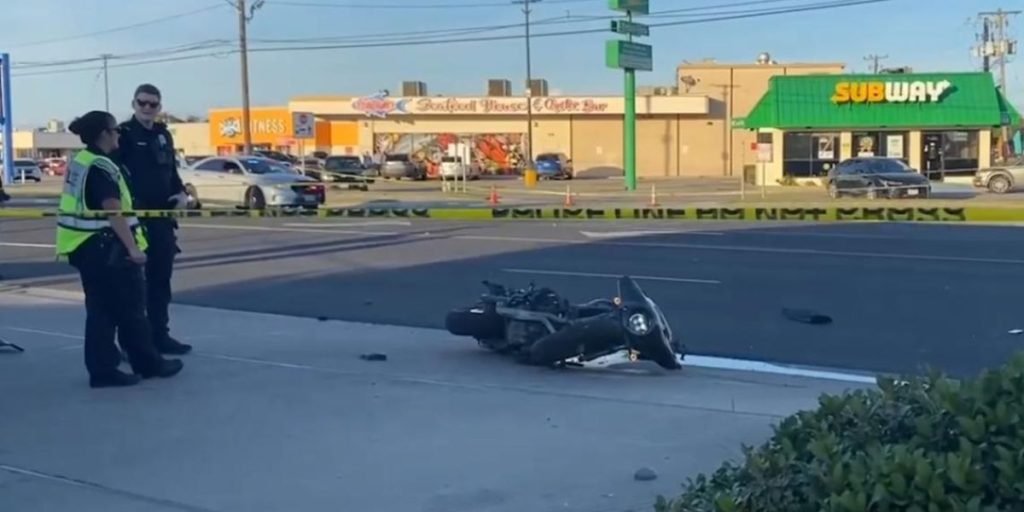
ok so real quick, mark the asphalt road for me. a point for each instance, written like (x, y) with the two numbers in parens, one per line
(901, 296)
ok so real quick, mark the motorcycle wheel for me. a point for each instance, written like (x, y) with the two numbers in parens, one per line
(475, 323)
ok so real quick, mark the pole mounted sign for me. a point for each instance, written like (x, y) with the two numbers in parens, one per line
(5, 117)
(630, 57)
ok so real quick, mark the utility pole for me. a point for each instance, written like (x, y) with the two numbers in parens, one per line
(244, 16)
(529, 83)
(106, 81)
(875, 59)
(995, 43)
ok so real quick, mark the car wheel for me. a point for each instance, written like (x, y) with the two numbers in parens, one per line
(999, 184)
(254, 199)
(924, 192)
(872, 192)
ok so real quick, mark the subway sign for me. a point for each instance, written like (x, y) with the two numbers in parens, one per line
(911, 91)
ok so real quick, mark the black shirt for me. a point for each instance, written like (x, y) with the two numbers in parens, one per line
(99, 185)
(149, 156)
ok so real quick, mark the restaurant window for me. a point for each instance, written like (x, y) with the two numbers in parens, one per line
(887, 144)
(807, 154)
(949, 153)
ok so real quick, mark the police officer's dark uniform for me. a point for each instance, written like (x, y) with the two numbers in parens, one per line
(151, 159)
(113, 284)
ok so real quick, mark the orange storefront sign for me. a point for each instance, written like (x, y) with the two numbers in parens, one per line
(270, 126)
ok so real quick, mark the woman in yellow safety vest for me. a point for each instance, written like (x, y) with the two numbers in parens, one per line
(108, 249)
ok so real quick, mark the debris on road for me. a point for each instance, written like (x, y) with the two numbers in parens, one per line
(645, 475)
(374, 357)
(806, 316)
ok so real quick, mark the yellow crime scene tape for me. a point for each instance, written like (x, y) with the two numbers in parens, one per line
(721, 213)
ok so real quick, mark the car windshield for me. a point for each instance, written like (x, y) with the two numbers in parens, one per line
(548, 156)
(342, 163)
(886, 166)
(264, 166)
(24, 163)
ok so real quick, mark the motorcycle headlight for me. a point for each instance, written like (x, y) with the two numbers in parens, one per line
(638, 324)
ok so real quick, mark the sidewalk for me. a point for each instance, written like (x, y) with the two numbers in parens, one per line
(280, 414)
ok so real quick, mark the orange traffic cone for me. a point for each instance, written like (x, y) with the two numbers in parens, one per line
(569, 203)
(493, 198)
(654, 196)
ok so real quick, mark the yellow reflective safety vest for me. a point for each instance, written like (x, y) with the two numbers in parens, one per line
(74, 224)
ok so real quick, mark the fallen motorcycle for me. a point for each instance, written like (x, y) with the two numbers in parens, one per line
(539, 327)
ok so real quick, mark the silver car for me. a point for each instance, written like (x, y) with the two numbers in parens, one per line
(399, 165)
(25, 170)
(1000, 179)
(250, 181)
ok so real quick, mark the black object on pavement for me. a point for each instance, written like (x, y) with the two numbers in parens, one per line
(374, 357)
(6, 344)
(806, 316)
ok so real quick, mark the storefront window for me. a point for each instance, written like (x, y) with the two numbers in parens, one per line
(807, 154)
(888, 144)
(949, 153)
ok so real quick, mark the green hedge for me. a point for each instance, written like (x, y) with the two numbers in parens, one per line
(918, 444)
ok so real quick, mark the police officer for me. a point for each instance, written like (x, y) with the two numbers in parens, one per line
(108, 253)
(147, 150)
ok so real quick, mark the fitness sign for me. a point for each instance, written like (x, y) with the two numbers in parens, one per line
(877, 91)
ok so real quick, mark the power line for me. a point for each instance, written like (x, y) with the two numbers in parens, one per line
(380, 5)
(122, 28)
(393, 36)
(730, 17)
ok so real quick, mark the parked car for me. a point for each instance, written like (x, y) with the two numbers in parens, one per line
(250, 181)
(553, 166)
(346, 168)
(1003, 178)
(452, 167)
(25, 169)
(399, 166)
(876, 177)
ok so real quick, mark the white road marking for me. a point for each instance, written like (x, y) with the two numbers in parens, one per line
(754, 249)
(286, 229)
(720, 363)
(27, 246)
(612, 276)
(348, 224)
(628, 234)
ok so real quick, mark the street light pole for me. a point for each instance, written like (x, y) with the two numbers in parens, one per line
(529, 83)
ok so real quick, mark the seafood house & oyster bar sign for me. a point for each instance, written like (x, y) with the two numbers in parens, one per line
(381, 106)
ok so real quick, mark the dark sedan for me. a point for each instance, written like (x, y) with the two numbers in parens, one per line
(877, 177)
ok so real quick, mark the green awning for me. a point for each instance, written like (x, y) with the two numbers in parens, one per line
(808, 102)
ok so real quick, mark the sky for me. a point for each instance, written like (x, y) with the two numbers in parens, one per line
(927, 35)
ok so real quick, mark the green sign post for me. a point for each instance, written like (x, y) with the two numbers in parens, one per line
(630, 57)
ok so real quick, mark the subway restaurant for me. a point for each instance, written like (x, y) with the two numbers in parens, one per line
(943, 124)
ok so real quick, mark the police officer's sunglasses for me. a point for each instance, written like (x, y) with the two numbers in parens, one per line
(150, 104)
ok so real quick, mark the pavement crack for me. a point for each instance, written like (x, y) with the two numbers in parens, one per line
(76, 482)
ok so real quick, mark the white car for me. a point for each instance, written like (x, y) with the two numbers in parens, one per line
(452, 167)
(25, 170)
(250, 181)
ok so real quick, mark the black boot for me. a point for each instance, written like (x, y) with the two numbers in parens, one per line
(171, 346)
(114, 379)
(164, 369)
